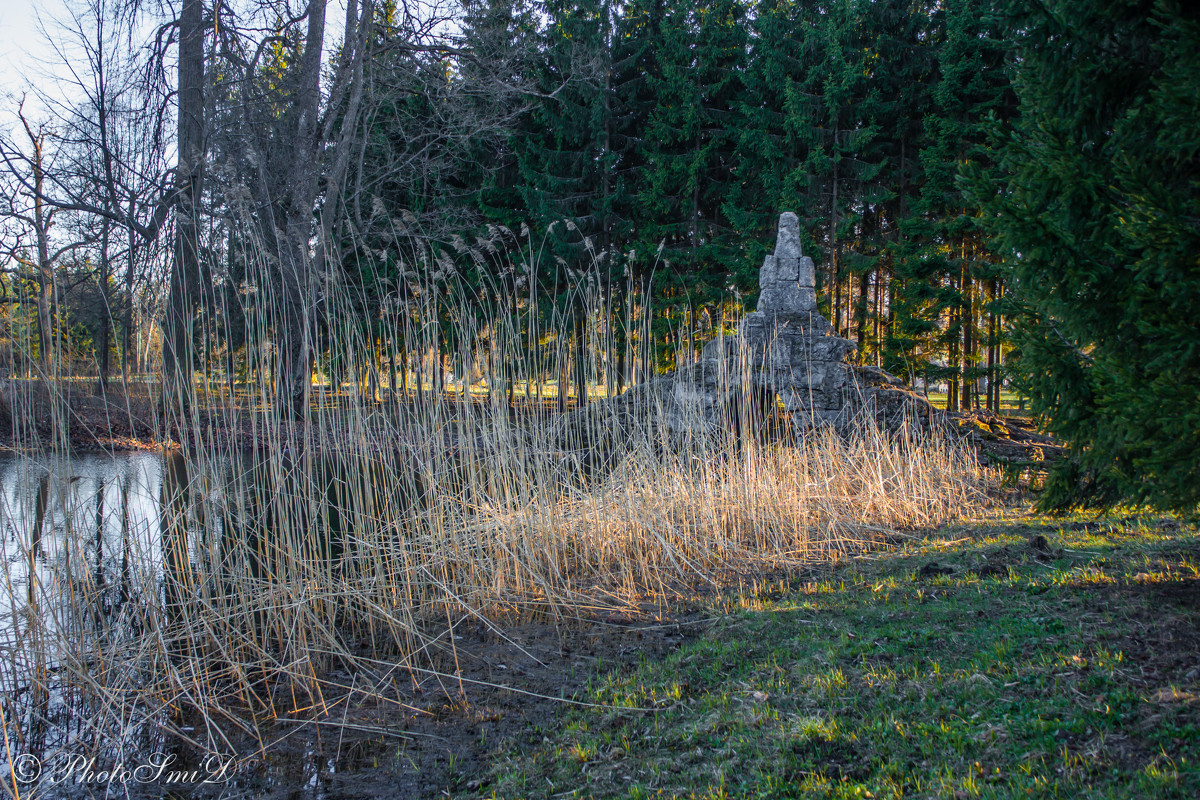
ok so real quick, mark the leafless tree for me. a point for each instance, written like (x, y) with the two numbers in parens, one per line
(107, 180)
(189, 175)
(33, 246)
(268, 143)
(117, 116)
(283, 146)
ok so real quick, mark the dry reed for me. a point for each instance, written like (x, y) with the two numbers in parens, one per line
(283, 554)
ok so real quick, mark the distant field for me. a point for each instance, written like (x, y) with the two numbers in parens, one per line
(1010, 402)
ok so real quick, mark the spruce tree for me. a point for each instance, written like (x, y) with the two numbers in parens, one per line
(689, 147)
(628, 273)
(1098, 213)
(944, 258)
(567, 169)
(832, 117)
(898, 39)
(769, 163)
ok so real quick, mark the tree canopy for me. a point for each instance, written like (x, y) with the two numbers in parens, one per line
(1097, 209)
(994, 191)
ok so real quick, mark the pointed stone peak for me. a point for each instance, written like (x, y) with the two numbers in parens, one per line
(787, 278)
(787, 240)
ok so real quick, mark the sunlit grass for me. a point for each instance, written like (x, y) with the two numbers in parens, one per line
(886, 679)
(1011, 402)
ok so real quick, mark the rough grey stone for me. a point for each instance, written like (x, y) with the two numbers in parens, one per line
(784, 350)
(787, 279)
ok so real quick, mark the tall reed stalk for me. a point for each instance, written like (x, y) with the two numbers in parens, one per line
(284, 554)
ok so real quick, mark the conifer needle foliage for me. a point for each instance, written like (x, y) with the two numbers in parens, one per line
(1099, 211)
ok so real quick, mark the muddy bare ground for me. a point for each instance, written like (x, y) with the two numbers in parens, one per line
(510, 685)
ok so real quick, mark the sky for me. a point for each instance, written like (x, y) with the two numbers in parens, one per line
(17, 28)
(25, 56)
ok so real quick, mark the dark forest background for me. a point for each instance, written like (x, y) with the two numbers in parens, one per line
(999, 194)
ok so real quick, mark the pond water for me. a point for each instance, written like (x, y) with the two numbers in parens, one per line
(112, 563)
(88, 523)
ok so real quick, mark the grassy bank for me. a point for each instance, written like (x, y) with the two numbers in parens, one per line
(1016, 657)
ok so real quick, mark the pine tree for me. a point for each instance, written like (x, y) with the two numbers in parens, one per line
(943, 260)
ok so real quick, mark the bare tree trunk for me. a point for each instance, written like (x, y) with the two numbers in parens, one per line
(43, 218)
(128, 354)
(889, 326)
(106, 317)
(185, 265)
(860, 312)
(564, 371)
(45, 300)
(998, 319)
(300, 271)
(967, 399)
(295, 346)
(952, 360)
(441, 388)
(834, 279)
(581, 376)
(404, 358)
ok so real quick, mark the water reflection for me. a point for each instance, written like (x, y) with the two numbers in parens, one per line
(118, 569)
(69, 532)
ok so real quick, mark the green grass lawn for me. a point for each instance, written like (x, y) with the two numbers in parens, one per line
(1020, 658)
(1011, 403)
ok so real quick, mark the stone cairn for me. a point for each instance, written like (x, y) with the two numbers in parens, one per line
(784, 354)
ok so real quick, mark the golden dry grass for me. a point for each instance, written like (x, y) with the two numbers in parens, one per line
(351, 543)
